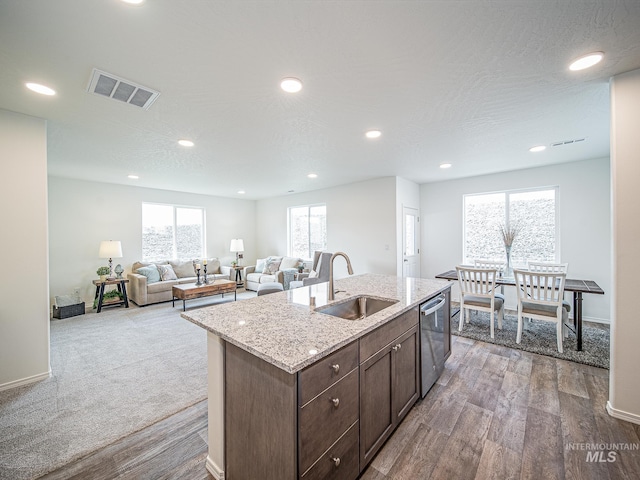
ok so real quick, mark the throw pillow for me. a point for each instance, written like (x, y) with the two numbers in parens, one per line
(151, 272)
(272, 266)
(313, 274)
(260, 263)
(166, 272)
(183, 269)
(289, 262)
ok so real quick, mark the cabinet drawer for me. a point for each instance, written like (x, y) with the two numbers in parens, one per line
(326, 418)
(381, 337)
(340, 462)
(321, 375)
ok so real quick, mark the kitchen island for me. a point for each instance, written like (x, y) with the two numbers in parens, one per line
(295, 393)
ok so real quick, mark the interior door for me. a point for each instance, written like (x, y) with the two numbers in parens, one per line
(411, 243)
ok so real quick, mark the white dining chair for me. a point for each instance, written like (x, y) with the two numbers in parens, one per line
(486, 263)
(540, 297)
(478, 292)
(547, 267)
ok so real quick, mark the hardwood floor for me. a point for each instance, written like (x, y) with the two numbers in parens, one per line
(495, 413)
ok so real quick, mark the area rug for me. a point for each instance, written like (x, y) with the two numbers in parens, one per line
(113, 373)
(539, 337)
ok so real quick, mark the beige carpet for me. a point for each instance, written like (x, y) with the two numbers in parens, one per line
(113, 373)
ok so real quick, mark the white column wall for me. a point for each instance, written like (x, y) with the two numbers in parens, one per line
(24, 306)
(624, 382)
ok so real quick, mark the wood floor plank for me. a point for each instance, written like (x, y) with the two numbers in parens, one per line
(420, 455)
(543, 455)
(543, 386)
(510, 415)
(386, 458)
(571, 379)
(520, 362)
(487, 389)
(578, 428)
(498, 463)
(496, 363)
(445, 412)
(465, 444)
(476, 356)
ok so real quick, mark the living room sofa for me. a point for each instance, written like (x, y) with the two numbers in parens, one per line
(147, 287)
(271, 269)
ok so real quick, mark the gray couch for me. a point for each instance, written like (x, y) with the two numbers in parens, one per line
(142, 292)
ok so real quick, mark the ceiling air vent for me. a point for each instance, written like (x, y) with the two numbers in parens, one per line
(112, 86)
(567, 142)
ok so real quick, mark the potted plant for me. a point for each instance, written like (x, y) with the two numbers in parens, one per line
(108, 296)
(103, 272)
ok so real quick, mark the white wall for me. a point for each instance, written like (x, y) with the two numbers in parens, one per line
(24, 318)
(82, 214)
(624, 386)
(407, 195)
(584, 201)
(361, 221)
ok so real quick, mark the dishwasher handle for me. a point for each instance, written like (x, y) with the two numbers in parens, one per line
(428, 309)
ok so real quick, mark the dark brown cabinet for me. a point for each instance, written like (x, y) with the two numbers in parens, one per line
(389, 382)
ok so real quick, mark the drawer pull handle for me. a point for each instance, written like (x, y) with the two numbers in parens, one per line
(336, 460)
(397, 347)
(336, 402)
(336, 367)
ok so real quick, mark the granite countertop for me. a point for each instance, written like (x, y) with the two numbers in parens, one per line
(285, 330)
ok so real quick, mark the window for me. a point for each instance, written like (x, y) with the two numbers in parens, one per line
(170, 231)
(534, 212)
(307, 230)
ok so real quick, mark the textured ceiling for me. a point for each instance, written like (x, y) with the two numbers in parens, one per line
(474, 83)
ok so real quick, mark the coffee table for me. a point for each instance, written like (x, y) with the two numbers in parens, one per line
(189, 291)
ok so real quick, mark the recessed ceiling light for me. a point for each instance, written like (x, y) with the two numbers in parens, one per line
(445, 165)
(241, 192)
(291, 84)
(586, 61)
(373, 133)
(36, 87)
(313, 175)
(133, 177)
(186, 143)
(133, 2)
(537, 148)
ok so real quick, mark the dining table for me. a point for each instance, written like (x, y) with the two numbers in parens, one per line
(578, 287)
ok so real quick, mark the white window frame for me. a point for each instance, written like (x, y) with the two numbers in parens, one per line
(290, 232)
(175, 207)
(556, 188)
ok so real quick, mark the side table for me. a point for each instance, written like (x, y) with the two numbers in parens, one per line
(122, 288)
(238, 275)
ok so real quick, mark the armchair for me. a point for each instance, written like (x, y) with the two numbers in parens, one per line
(319, 270)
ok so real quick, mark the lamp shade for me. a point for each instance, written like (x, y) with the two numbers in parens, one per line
(110, 249)
(237, 245)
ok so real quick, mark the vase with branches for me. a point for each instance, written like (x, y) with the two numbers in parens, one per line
(509, 233)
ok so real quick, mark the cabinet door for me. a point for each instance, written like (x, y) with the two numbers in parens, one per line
(376, 409)
(406, 380)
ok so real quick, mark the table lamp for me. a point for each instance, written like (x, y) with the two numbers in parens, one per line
(237, 245)
(110, 249)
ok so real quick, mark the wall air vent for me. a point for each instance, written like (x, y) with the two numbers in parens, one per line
(112, 86)
(567, 142)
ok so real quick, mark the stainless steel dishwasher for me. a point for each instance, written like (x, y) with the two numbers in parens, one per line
(433, 340)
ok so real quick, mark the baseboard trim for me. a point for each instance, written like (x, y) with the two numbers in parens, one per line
(213, 469)
(622, 415)
(25, 381)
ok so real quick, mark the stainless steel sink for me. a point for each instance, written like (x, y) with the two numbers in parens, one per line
(356, 308)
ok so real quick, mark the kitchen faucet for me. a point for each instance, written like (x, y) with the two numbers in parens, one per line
(349, 269)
